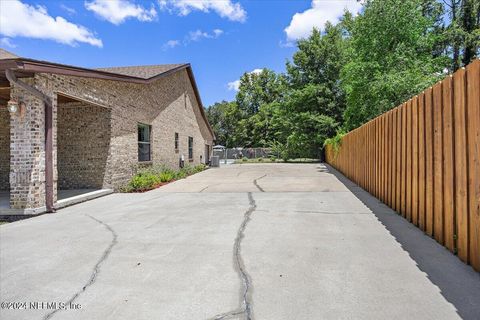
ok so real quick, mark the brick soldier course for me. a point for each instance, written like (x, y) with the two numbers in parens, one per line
(96, 114)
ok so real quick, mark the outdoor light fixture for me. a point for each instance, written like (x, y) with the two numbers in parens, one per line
(15, 107)
(12, 106)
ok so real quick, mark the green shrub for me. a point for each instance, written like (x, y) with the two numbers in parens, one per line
(143, 181)
(199, 167)
(180, 174)
(167, 176)
(335, 142)
(151, 177)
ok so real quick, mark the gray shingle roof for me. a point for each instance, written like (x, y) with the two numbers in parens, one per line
(4, 54)
(144, 72)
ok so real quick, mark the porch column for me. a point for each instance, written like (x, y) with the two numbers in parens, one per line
(27, 151)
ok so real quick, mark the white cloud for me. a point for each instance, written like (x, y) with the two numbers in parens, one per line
(19, 19)
(224, 8)
(171, 44)
(321, 11)
(69, 10)
(235, 85)
(198, 35)
(117, 11)
(217, 32)
(7, 42)
(193, 36)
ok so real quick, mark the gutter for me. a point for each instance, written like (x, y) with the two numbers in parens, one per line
(48, 135)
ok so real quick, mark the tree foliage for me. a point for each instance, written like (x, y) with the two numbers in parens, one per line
(348, 73)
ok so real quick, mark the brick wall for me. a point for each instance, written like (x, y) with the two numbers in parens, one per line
(4, 148)
(83, 143)
(168, 104)
(27, 152)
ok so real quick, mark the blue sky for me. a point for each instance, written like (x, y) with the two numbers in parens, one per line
(222, 39)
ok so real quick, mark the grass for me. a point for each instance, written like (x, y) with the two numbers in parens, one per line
(156, 176)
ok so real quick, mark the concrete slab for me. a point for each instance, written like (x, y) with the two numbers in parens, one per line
(65, 198)
(178, 253)
(70, 197)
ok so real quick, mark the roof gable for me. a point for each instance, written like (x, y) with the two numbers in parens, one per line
(4, 54)
(135, 74)
(143, 72)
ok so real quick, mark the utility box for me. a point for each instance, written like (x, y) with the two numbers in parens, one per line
(215, 161)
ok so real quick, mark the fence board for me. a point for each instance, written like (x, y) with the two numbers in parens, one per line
(384, 182)
(429, 162)
(415, 161)
(399, 160)
(390, 153)
(448, 166)
(461, 180)
(404, 161)
(394, 159)
(408, 153)
(421, 163)
(437, 163)
(473, 140)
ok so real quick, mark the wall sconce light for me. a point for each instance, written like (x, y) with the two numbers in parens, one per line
(15, 107)
(12, 106)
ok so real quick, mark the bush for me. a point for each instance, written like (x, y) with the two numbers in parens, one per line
(167, 176)
(143, 181)
(335, 142)
(199, 167)
(149, 178)
(180, 174)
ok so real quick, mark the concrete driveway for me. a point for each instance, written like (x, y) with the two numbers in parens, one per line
(267, 241)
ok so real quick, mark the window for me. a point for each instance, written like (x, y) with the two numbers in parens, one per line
(144, 151)
(176, 140)
(190, 148)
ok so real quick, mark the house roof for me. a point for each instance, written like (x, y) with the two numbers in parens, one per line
(143, 72)
(25, 67)
(4, 54)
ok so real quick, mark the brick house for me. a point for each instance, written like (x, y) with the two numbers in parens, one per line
(64, 129)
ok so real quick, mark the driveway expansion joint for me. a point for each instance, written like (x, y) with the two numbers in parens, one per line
(96, 268)
(246, 299)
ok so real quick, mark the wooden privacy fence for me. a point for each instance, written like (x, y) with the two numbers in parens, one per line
(422, 159)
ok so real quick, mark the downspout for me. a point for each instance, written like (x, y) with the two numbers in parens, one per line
(48, 135)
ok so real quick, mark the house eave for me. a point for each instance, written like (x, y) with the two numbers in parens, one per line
(28, 68)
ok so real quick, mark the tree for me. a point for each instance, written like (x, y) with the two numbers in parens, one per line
(470, 23)
(463, 33)
(390, 58)
(316, 68)
(257, 89)
(224, 117)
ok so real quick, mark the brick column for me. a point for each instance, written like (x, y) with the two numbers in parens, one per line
(27, 151)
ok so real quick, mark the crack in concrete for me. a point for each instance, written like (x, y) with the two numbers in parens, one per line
(255, 182)
(96, 268)
(246, 299)
(204, 188)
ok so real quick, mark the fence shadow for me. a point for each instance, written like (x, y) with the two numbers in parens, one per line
(459, 284)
